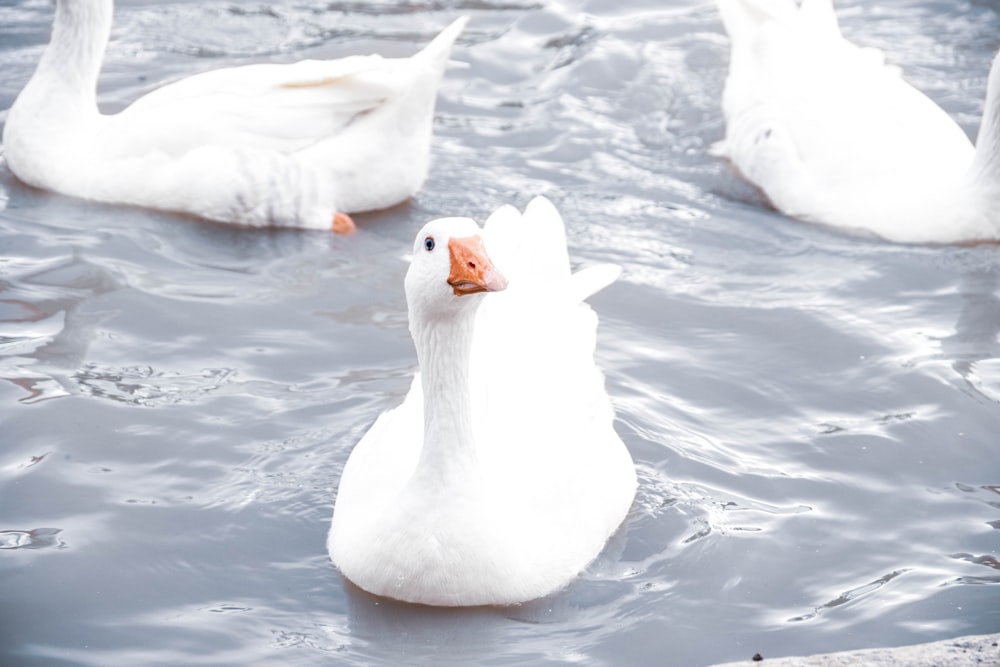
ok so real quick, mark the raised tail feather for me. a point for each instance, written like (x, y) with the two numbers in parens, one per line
(591, 280)
(744, 18)
(436, 53)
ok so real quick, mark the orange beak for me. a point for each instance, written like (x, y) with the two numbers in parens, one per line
(471, 268)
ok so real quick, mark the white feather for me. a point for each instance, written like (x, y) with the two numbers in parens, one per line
(266, 144)
(832, 134)
(550, 480)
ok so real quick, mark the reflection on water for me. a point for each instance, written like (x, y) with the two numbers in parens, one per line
(973, 346)
(39, 538)
(813, 416)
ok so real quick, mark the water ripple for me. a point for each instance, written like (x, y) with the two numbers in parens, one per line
(813, 415)
(851, 596)
(39, 538)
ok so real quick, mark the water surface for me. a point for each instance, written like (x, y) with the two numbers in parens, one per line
(813, 415)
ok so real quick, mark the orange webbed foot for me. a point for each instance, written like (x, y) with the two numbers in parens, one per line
(343, 224)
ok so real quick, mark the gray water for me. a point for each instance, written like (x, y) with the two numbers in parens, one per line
(814, 416)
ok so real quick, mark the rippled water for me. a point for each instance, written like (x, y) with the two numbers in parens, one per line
(814, 416)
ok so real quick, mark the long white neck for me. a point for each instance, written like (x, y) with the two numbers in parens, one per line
(985, 170)
(54, 121)
(72, 61)
(444, 348)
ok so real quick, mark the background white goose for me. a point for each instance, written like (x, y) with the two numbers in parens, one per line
(293, 145)
(832, 134)
(500, 477)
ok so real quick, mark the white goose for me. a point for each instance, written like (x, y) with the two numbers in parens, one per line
(296, 145)
(500, 477)
(832, 134)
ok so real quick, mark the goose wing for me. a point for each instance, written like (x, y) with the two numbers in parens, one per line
(283, 108)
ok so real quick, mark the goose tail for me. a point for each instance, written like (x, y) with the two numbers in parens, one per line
(591, 280)
(743, 19)
(436, 53)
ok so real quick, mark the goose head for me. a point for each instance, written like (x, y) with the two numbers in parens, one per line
(450, 270)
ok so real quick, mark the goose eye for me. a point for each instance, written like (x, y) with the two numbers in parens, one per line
(429, 243)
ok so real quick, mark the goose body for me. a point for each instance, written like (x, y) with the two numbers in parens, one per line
(500, 476)
(832, 134)
(295, 145)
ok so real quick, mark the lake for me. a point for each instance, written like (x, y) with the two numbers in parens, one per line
(814, 416)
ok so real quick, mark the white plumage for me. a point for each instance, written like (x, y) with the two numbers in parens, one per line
(833, 134)
(500, 477)
(268, 144)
